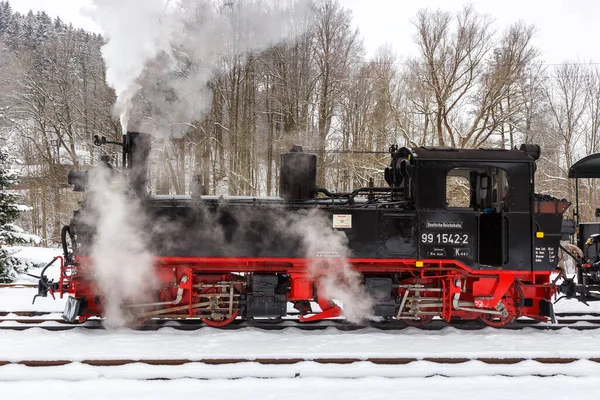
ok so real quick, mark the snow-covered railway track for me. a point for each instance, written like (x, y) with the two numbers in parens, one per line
(18, 285)
(240, 368)
(24, 319)
(291, 361)
(210, 353)
(26, 313)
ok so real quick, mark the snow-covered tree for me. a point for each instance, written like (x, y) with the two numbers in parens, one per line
(10, 233)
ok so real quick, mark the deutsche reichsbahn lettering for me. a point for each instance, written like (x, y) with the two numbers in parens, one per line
(444, 225)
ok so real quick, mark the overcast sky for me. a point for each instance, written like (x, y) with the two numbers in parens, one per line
(566, 29)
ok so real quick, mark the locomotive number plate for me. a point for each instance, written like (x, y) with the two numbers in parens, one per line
(445, 238)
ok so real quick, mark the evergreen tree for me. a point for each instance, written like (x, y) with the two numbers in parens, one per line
(5, 16)
(10, 234)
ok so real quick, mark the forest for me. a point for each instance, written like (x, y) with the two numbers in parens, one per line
(471, 84)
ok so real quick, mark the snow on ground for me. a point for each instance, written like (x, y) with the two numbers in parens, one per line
(421, 379)
(36, 255)
(372, 388)
(19, 299)
(572, 305)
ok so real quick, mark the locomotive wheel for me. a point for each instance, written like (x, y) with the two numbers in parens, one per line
(511, 303)
(497, 321)
(422, 321)
(218, 318)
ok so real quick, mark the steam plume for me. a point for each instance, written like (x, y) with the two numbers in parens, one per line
(327, 248)
(160, 55)
(122, 266)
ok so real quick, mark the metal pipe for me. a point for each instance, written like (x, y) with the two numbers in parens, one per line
(430, 305)
(420, 288)
(424, 299)
(172, 309)
(162, 303)
(215, 285)
(458, 306)
(577, 202)
(231, 301)
(402, 303)
(184, 279)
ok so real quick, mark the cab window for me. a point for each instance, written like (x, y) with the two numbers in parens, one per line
(481, 189)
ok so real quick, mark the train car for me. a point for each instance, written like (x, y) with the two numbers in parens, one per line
(458, 234)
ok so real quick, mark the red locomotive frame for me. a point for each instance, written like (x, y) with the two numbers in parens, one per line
(494, 297)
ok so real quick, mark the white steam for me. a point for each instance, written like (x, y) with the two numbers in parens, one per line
(122, 266)
(161, 55)
(137, 35)
(327, 248)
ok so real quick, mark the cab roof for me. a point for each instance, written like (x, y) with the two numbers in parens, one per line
(481, 154)
(587, 167)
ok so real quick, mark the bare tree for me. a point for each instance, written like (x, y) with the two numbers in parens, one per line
(451, 63)
(337, 46)
(566, 97)
(469, 77)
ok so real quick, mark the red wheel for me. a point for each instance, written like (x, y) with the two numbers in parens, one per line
(218, 306)
(215, 323)
(497, 321)
(510, 307)
(423, 320)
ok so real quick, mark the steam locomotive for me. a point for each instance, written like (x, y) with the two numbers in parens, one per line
(458, 234)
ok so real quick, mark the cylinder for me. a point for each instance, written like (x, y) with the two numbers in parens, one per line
(297, 175)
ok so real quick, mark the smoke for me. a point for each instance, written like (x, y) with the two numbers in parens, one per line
(328, 252)
(161, 55)
(122, 266)
(136, 35)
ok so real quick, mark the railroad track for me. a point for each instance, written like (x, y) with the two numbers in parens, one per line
(23, 320)
(18, 285)
(27, 313)
(278, 368)
(291, 361)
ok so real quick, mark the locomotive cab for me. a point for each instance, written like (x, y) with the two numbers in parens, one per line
(474, 205)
